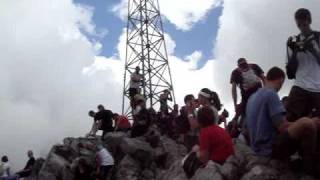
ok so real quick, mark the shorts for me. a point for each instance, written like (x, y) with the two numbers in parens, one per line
(301, 103)
(133, 92)
(284, 146)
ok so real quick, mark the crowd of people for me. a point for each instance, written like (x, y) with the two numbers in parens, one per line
(272, 127)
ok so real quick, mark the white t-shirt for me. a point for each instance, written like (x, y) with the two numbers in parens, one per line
(250, 79)
(308, 72)
(135, 80)
(105, 157)
(6, 167)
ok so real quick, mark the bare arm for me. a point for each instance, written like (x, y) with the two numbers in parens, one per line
(203, 156)
(234, 94)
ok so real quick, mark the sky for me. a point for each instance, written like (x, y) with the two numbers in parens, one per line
(61, 58)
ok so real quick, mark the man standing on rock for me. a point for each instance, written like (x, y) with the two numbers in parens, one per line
(249, 78)
(136, 80)
(304, 66)
(270, 133)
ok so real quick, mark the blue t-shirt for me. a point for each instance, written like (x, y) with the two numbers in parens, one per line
(261, 107)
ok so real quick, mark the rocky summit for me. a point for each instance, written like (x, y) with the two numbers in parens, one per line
(156, 157)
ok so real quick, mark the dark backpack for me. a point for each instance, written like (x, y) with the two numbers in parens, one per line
(216, 100)
(191, 164)
(292, 66)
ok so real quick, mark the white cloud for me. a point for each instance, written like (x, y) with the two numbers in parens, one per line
(182, 13)
(194, 59)
(43, 96)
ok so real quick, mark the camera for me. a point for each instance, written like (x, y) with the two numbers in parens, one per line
(296, 45)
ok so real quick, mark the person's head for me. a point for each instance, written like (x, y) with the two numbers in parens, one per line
(166, 91)
(91, 113)
(207, 97)
(204, 96)
(137, 69)
(242, 63)
(205, 117)
(115, 116)
(100, 107)
(188, 99)
(4, 159)
(303, 19)
(275, 78)
(30, 154)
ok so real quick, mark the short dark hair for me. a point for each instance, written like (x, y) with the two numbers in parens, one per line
(241, 59)
(205, 116)
(188, 98)
(4, 159)
(91, 112)
(303, 13)
(100, 106)
(275, 73)
(115, 115)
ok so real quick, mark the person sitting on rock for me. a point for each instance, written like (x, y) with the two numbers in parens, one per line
(29, 166)
(83, 171)
(210, 98)
(271, 134)
(215, 143)
(187, 118)
(182, 121)
(5, 173)
(95, 126)
(121, 123)
(105, 162)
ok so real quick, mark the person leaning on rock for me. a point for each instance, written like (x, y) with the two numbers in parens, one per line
(105, 162)
(95, 126)
(105, 116)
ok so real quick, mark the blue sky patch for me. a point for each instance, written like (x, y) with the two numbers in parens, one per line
(200, 37)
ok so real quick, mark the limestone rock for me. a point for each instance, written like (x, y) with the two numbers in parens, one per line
(128, 169)
(209, 172)
(261, 172)
(175, 172)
